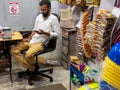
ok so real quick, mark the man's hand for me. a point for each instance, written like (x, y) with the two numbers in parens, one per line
(40, 32)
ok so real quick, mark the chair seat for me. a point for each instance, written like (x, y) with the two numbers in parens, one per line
(44, 51)
(40, 52)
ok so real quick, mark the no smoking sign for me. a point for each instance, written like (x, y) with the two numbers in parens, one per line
(13, 7)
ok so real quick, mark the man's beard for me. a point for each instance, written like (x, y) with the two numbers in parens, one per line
(45, 14)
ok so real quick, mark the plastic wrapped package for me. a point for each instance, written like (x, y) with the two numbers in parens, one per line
(87, 50)
(81, 3)
(63, 1)
(67, 23)
(71, 2)
(90, 29)
(95, 36)
(92, 3)
(101, 37)
(106, 18)
(85, 21)
(103, 11)
(66, 19)
(66, 14)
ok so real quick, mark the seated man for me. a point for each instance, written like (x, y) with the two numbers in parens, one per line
(46, 25)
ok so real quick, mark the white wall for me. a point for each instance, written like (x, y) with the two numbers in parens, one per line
(107, 4)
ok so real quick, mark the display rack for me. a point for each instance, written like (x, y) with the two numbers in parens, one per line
(80, 76)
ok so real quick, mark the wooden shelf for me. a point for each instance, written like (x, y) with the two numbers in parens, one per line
(69, 43)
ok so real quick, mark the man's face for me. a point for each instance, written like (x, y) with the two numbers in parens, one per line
(45, 10)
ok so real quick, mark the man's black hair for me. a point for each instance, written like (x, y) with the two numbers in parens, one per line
(45, 2)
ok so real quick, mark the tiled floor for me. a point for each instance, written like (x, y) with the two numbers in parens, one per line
(73, 87)
(60, 75)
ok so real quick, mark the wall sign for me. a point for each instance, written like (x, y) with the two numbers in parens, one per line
(13, 7)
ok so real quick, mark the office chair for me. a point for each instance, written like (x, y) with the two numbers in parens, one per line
(49, 46)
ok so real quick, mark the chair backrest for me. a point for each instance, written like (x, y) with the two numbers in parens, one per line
(58, 17)
(50, 43)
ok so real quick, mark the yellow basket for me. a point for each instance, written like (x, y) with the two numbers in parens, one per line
(112, 83)
(112, 64)
(111, 73)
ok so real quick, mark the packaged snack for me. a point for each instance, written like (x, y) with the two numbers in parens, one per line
(92, 3)
(63, 1)
(73, 58)
(78, 2)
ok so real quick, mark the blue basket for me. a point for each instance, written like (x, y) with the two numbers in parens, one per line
(114, 53)
(105, 86)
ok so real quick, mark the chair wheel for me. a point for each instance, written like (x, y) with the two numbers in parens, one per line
(51, 80)
(51, 71)
(30, 83)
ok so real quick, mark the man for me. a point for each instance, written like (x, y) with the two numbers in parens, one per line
(46, 25)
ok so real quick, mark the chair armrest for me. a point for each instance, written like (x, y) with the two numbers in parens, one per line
(26, 34)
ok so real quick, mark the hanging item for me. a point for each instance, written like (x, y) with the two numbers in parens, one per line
(68, 2)
(96, 34)
(92, 3)
(66, 19)
(63, 1)
(71, 2)
(78, 2)
(101, 40)
(82, 4)
(85, 21)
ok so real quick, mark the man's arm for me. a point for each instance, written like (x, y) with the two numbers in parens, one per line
(32, 33)
(56, 28)
(29, 37)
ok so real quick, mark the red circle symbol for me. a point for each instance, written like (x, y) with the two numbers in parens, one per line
(14, 9)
